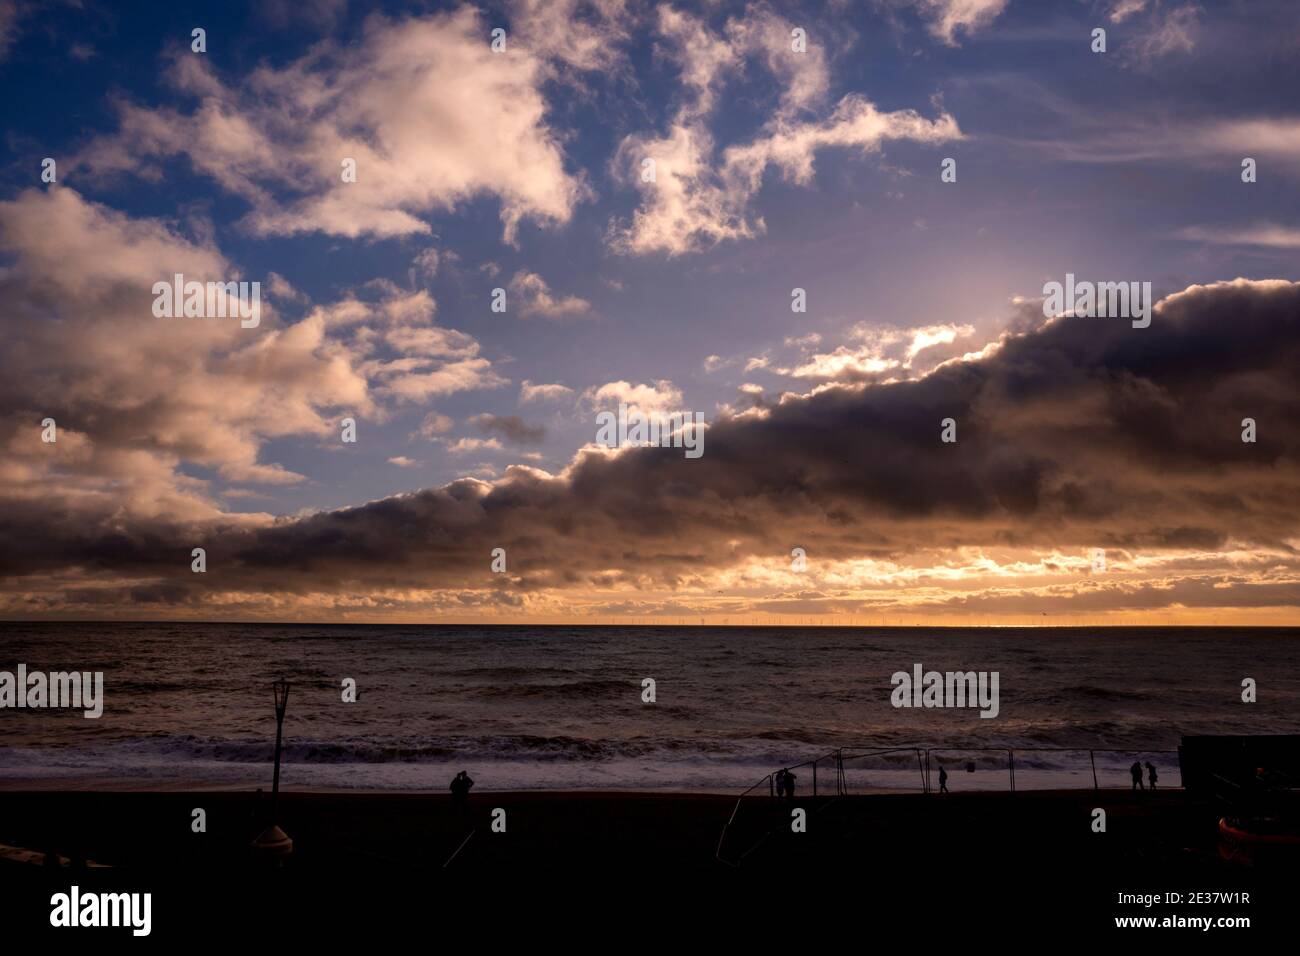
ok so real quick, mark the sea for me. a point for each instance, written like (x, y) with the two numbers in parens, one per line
(528, 707)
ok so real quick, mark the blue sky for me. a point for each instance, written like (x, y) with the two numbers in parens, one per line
(1117, 165)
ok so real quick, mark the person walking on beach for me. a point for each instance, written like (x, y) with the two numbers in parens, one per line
(1136, 771)
(1152, 776)
(780, 783)
(460, 786)
(943, 780)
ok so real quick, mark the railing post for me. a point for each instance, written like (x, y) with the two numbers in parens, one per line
(1093, 760)
(1011, 762)
(815, 777)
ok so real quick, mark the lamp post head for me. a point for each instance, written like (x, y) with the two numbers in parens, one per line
(281, 690)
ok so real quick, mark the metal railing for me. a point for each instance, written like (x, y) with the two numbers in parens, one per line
(770, 781)
(840, 755)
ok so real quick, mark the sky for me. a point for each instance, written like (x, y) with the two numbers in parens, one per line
(825, 228)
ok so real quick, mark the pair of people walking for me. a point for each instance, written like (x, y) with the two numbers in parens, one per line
(1135, 772)
(785, 784)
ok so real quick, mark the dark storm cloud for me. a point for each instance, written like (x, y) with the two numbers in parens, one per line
(510, 427)
(1083, 433)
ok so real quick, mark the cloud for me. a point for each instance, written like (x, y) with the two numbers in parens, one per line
(143, 404)
(1267, 235)
(510, 427)
(811, 340)
(855, 122)
(426, 264)
(1171, 31)
(280, 288)
(1080, 433)
(533, 297)
(886, 353)
(947, 18)
(1277, 137)
(697, 199)
(401, 461)
(661, 396)
(474, 444)
(528, 392)
(1077, 131)
(14, 18)
(586, 36)
(406, 358)
(136, 395)
(395, 102)
(446, 379)
(433, 425)
(1125, 9)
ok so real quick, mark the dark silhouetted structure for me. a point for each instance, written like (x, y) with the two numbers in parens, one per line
(1231, 765)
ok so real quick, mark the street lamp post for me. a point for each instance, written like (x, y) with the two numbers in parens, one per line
(281, 691)
(274, 842)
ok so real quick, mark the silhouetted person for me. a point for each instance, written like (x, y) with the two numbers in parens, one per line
(1136, 771)
(779, 779)
(460, 786)
(1152, 776)
(789, 785)
(943, 780)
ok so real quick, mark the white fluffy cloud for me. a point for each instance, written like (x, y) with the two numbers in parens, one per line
(947, 18)
(660, 396)
(433, 425)
(1124, 9)
(532, 296)
(408, 103)
(583, 34)
(401, 352)
(136, 397)
(138, 401)
(883, 353)
(697, 199)
(528, 392)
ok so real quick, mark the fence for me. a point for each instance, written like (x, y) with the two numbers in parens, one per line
(752, 830)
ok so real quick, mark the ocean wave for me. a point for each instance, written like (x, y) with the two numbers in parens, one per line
(574, 690)
(1093, 692)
